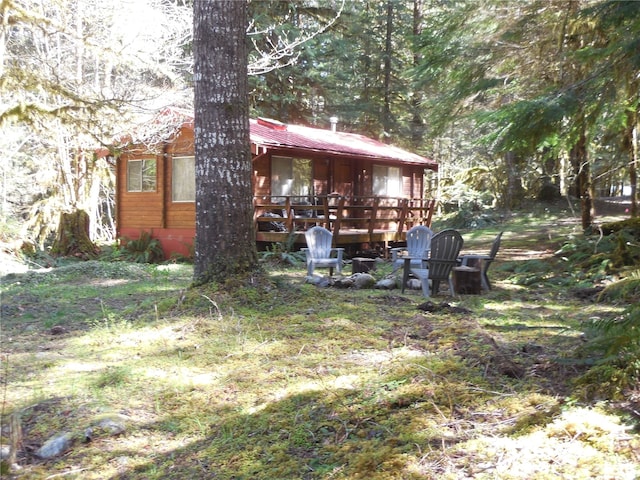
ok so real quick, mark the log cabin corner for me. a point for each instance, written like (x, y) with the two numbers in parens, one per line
(366, 192)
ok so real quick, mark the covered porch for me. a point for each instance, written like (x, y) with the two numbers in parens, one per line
(365, 222)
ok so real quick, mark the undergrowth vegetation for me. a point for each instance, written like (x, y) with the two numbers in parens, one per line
(268, 377)
(283, 253)
(144, 249)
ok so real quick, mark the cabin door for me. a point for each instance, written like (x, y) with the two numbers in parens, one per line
(343, 178)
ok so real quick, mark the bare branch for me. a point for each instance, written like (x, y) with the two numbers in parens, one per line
(284, 53)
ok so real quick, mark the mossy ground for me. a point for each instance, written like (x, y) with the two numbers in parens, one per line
(278, 379)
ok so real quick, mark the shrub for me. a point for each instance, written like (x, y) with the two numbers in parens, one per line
(283, 252)
(143, 250)
(614, 350)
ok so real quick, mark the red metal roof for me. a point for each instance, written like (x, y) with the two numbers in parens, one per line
(269, 133)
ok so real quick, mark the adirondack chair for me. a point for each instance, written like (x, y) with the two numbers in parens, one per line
(418, 244)
(445, 248)
(319, 251)
(485, 261)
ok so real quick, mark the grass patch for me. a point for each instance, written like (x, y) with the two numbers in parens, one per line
(279, 379)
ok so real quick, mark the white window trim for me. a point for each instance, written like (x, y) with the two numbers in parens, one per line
(389, 180)
(173, 170)
(287, 185)
(141, 181)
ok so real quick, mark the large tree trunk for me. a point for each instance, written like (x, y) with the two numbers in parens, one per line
(225, 235)
(73, 236)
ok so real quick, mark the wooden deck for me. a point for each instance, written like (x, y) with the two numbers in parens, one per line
(345, 237)
(368, 222)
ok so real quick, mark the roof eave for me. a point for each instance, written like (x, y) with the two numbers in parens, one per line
(337, 153)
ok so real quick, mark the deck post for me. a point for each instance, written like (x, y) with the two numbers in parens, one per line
(325, 211)
(289, 213)
(374, 216)
(336, 224)
(357, 220)
(255, 212)
(431, 204)
(404, 210)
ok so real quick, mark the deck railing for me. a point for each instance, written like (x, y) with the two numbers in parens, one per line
(336, 213)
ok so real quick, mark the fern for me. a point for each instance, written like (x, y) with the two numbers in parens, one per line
(283, 252)
(627, 289)
(613, 354)
(145, 249)
(615, 341)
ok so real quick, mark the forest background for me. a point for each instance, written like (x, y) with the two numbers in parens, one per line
(517, 101)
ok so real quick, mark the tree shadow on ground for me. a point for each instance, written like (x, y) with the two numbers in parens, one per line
(407, 416)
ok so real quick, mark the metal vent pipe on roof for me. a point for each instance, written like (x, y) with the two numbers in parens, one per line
(334, 123)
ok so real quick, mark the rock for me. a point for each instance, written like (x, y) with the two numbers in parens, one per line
(106, 425)
(111, 426)
(363, 280)
(318, 281)
(346, 282)
(443, 307)
(55, 446)
(386, 284)
(57, 330)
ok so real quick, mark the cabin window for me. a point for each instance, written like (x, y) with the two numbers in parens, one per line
(183, 181)
(141, 175)
(290, 177)
(387, 181)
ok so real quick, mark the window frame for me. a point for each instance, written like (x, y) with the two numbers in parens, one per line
(173, 178)
(388, 185)
(293, 190)
(144, 175)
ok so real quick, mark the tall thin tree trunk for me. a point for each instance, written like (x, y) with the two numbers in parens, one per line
(630, 146)
(225, 235)
(633, 167)
(514, 191)
(582, 169)
(4, 26)
(79, 44)
(386, 113)
(417, 123)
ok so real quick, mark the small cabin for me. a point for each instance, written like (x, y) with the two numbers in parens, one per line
(366, 192)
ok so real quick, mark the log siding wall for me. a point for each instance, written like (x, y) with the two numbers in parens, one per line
(348, 177)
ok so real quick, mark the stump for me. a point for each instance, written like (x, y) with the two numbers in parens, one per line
(362, 265)
(73, 236)
(466, 280)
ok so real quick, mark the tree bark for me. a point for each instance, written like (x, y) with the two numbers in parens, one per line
(386, 112)
(581, 167)
(630, 147)
(633, 162)
(417, 123)
(514, 192)
(225, 236)
(73, 236)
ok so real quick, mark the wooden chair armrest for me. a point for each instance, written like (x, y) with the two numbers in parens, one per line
(464, 259)
(437, 260)
(395, 252)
